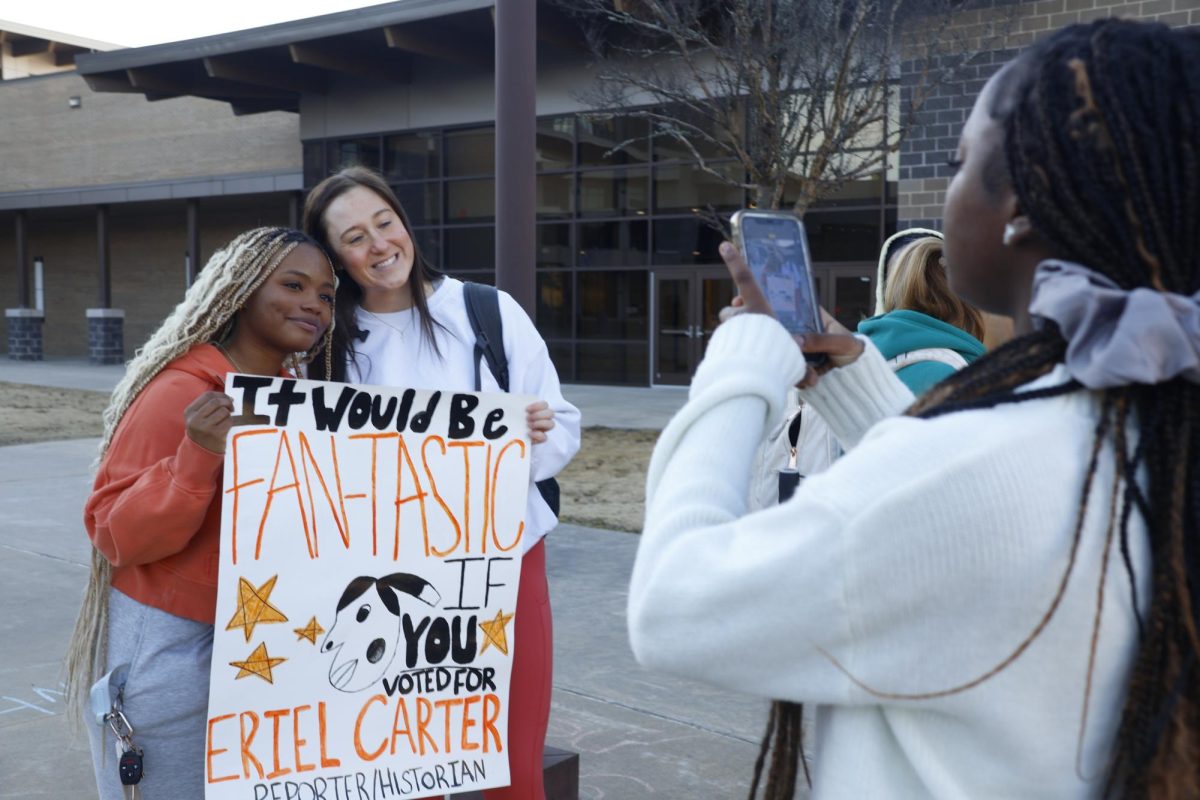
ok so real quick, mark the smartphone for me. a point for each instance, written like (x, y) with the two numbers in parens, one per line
(776, 249)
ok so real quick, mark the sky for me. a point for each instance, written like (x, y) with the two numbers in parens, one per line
(135, 23)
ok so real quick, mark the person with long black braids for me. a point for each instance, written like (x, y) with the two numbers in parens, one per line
(996, 592)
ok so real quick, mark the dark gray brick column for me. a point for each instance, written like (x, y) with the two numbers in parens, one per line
(25, 333)
(106, 335)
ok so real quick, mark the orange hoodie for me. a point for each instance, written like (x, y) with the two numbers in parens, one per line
(155, 508)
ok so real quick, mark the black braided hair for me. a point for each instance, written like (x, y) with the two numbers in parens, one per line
(1102, 126)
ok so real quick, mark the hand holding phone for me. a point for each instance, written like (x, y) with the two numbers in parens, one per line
(776, 250)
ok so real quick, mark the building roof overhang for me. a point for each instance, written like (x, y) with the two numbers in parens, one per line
(269, 68)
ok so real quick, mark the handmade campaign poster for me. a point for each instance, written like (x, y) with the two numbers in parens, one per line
(371, 546)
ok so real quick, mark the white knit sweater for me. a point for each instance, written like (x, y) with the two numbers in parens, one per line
(396, 353)
(917, 563)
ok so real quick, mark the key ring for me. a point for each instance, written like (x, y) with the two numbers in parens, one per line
(117, 720)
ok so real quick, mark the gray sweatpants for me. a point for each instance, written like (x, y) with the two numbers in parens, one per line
(166, 700)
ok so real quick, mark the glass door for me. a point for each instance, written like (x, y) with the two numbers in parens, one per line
(687, 305)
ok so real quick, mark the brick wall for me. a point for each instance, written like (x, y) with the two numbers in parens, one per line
(1005, 29)
(146, 247)
(124, 138)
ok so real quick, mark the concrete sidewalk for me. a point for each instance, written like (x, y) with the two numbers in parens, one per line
(639, 734)
(602, 406)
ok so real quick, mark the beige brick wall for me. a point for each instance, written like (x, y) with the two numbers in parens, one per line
(124, 138)
(147, 243)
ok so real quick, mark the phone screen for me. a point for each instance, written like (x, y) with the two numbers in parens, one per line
(777, 253)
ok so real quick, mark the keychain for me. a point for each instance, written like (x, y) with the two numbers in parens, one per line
(108, 700)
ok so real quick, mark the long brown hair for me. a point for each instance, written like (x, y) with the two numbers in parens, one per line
(349, 293)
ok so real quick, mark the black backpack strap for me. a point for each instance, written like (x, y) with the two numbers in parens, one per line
(483, 311)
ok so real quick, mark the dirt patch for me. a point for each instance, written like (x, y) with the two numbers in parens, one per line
(40, 414)
(604, 487)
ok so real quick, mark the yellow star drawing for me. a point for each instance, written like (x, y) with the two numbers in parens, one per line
(254, 607)
(494, 633)
(259, 663)
(310, 631)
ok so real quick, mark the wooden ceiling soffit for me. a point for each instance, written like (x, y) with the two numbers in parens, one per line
(111, 82)
(27, 45)
(326, 56)
(242, 108)
(454, 47)
(288, 77)
(160, 81)
(557, 29)
(64, 54)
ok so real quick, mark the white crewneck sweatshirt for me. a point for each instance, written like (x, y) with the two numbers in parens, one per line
(396, 353)
(917, 563)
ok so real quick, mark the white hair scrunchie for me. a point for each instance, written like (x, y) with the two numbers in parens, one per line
(1118, 337)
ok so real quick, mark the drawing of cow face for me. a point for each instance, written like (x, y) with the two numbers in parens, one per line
(366, 629)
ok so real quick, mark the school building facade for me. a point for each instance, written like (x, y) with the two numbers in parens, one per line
(125, 169)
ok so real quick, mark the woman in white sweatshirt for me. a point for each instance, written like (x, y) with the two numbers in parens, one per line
(996, 594)
(405, 324)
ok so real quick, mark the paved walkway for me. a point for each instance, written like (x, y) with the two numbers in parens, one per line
(640, 734)
(604, 406)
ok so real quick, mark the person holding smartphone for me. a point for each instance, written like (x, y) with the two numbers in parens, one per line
(992, 593)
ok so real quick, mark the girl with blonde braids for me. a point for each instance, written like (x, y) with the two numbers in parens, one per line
(262, 305)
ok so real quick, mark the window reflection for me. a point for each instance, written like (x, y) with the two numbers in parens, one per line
(615, 244)
(412, 156)
(421, 201)
(471, 201)
(686, 241)
(613, 305)
(555, 196)
(554, 304)
(471, 248)
(614, 193)
(471, 152)
(554, 245)
(600, 134)
(684, 188)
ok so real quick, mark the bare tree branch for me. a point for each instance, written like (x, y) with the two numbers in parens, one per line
(802, 95)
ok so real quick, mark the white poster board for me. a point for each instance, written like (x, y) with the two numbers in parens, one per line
(370, 556)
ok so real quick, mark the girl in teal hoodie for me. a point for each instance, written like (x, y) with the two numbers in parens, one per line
(925, 331)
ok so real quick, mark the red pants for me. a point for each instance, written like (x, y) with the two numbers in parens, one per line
(529, 689)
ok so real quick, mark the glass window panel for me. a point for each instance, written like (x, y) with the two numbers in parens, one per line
(843, 235)
(668, 147)
(685, 241)
(854, 299)
(613, 304)
(412, 156)
(865, 192)
(614, 193)
(682, 188)
(598, 135)
(471, 248)
(554, 304)
(555, 139)
(363, 151)
(623, 364)
(471, 152)
(562, 354)
(430, 242)
(314, 163)
(554, 245)
(421, 201)
(613, 244)
(555, 196)
(475, 276)
(470, 201)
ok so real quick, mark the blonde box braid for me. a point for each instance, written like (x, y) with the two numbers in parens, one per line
(206, 314)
